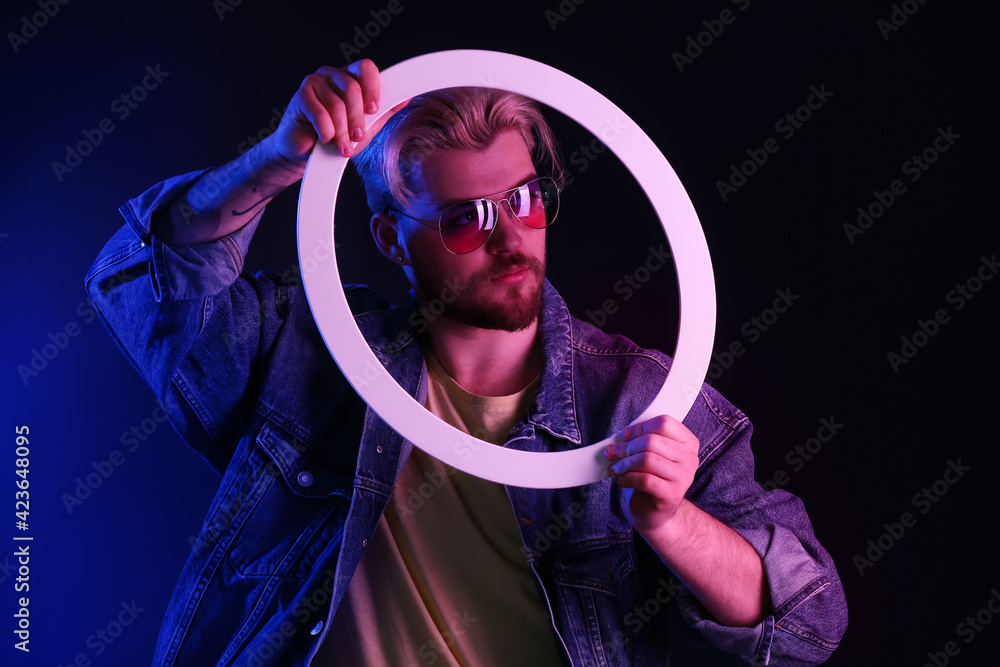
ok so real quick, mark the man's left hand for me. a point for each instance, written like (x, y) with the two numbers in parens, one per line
(655, 464)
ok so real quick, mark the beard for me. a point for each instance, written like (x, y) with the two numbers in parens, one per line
(482, 304)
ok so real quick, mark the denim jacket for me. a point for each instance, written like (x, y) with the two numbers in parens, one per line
(238, 364)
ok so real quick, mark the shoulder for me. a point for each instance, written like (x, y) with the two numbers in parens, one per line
(363, 299)
(619, 370)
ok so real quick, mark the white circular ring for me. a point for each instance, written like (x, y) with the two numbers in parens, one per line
(696, 283)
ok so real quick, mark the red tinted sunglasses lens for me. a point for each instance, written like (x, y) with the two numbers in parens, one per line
(536, 203)
(466, 226)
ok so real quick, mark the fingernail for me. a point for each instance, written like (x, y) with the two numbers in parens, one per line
(627, 433)
(345, 150)
(371, 107)
(357, 134)
(609, 452)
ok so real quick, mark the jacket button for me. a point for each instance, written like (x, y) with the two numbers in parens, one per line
(318, 628)
(305, 478)
(364, 543)
(379, 449)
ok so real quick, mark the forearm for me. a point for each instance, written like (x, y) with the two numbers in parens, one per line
(225, 199)
(720, 568)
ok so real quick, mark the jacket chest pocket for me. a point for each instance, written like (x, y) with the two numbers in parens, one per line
(287, 506)
(601, 569)
(596, 588)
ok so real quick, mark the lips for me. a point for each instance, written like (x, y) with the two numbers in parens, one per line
(512, 277)
(512, 271)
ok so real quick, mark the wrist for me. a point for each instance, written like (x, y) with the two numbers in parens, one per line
(273, 166)
(678, 526)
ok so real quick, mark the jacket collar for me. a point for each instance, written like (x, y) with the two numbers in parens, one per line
(393, 333)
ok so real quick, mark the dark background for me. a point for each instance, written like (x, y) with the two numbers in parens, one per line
(230, 65)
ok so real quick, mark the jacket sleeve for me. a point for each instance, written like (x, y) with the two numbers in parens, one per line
(186, 319)
(809, 608)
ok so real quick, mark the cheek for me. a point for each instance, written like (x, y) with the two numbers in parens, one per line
(423, 247)
(536, 238)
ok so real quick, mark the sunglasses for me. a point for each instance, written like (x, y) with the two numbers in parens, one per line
(466, 226)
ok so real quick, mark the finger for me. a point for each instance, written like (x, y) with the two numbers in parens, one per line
(349, 90)
(335, 109)
(650, 463)
(665, 487)
(316, 104)
(669, 447)
(659, 491)
(377, 126)
(367, 75)
(663, 424)
(382, 120)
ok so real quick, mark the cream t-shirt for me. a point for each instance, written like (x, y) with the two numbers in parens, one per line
(443, 580)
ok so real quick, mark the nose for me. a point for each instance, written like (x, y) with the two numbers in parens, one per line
(508, 234)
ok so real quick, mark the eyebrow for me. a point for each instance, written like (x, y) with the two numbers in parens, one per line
(526, 179)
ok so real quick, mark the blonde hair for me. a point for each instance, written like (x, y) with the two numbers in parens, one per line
(449, 119)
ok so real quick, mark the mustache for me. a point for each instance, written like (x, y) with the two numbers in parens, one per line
(514, 263)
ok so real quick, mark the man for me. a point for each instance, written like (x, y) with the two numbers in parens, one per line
(331, 539)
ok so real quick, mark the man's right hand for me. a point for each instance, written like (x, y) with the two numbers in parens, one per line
(330, 105)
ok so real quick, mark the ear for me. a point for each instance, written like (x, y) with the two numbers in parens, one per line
(385, 231)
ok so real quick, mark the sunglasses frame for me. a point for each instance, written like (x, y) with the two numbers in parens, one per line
(492, 199)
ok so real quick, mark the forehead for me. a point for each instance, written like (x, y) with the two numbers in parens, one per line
(458, 175)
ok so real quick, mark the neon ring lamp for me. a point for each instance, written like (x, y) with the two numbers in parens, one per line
(696, 284)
